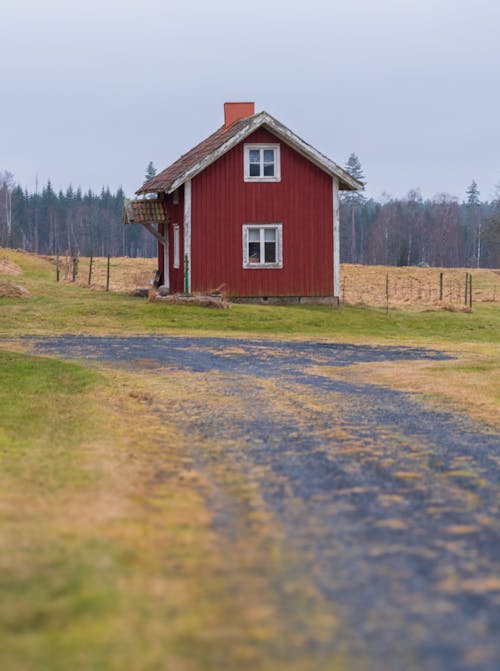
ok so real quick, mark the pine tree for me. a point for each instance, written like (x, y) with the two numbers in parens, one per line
(354, 199)
(353, 167)
(474, 220)
(150, 171)
(473, 194)
(492, 231)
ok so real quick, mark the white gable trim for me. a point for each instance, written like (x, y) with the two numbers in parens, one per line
(187, 236)
(336, 237)
(309, 152)
(286, 135)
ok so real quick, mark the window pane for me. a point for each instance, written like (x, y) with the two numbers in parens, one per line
(270, 252)
(268, 155)
(253, 235)
(254, 155)
(270, 234)
(254, 252)
(268, 169)
(254, 170)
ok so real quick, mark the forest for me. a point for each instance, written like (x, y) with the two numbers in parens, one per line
(441, 231)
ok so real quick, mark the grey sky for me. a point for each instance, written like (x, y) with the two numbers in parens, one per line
(91, 90)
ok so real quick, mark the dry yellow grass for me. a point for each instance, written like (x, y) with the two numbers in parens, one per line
(125, 273)
(470, 383)
(8, 267)
(416, 288)
(10, 290)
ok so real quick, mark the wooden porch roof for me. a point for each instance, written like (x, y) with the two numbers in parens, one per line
(144, 211)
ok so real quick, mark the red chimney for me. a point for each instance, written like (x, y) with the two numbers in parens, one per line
(236, 111)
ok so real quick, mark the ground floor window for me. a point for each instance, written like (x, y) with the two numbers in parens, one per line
(262, 246)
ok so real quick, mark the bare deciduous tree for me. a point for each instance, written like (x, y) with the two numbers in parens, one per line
(6, 187)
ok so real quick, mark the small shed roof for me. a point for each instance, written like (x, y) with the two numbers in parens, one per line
(225, 138)
(144, 211)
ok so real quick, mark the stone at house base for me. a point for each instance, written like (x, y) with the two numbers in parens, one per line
(332, 301)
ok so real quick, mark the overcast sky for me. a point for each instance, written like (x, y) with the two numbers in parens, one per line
(92, 90)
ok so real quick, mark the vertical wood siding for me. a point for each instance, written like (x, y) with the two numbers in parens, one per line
(176, 216)
(302, 201)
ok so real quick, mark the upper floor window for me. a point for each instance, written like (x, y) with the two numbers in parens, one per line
(262, 163)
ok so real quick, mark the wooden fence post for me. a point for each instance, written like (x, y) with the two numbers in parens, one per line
(466, 288)
(90, 268)
(74, 269)
(387, 294)
(440, 286)
(57, 268)
(107, 275)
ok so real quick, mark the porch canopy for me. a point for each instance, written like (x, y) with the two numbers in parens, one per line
(147, 212)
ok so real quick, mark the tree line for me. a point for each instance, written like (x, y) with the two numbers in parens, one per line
(391, 231)
(408, 231)
(68, 221)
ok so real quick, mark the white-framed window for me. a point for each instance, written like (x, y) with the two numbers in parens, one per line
(262, 163)
(262, 246)
(177, 246)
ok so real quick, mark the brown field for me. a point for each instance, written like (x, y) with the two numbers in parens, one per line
(125, 273)
(409, 287)
(416, 288)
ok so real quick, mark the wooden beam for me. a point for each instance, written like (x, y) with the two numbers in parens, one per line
(150, 227)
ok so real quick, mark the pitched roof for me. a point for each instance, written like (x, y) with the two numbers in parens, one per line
(224, 139)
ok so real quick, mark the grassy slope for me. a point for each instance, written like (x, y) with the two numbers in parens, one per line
(67, 309)
(472, 383)
(110, 559)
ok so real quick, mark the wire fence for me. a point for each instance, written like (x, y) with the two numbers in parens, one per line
(373, 286)
(418, 288)
(105, 273)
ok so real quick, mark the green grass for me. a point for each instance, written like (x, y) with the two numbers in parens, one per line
(109, 557)
(53, 586)
(62, 308)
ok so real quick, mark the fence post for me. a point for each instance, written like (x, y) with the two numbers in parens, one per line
(466, 288)
(74, 270)
(387, 294)
(57, 268)
(440, 286)
(107, 275)
(90, 268)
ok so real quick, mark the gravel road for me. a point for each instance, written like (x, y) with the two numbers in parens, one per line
(391, 504)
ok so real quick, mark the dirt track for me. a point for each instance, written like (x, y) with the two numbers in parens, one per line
(391, 505)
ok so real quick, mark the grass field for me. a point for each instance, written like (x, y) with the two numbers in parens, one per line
(110, 559)
(472, 383)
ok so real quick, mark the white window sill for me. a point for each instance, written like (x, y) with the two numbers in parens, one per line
(263, 266)
(262, 179)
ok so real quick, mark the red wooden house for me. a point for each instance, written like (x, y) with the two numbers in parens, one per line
(253, 207)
